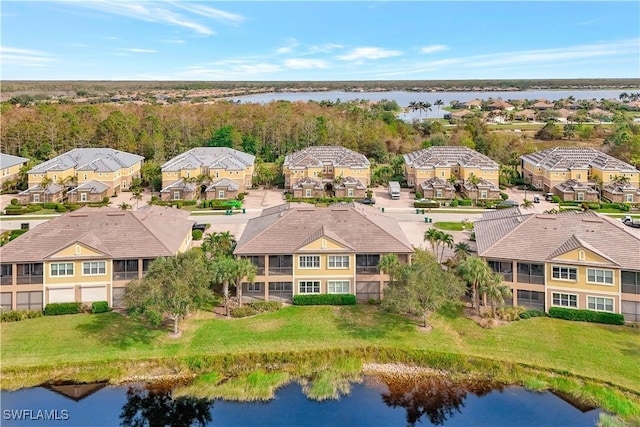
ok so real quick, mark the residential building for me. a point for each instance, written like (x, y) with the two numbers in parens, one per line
(477, 174)
(331, 169)
(301, 249)
(113, 168)
(88, 255)
(575, 173)
(10, 166)
(572, 259)
(218, 172)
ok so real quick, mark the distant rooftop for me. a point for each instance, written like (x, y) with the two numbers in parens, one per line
(89, 159)
(210, 157)
(565, 158)
(326, 154)
(8, 160)
(447, 156)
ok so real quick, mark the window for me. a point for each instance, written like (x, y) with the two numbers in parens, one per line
(600, 304)
(565, 273)
(29, 274)
(280, 286)
(36, 198)
(631, 282)
(350, 192)
(6, 273)
(367, 263)
(258, 261)
(125, 269)
(531, 299)
(483, 194)
(338, 286)
(62, 269)
(604, 277)
(438, 193)
(309, 261)
(176, 195)
(629, 198)
(505, 268)
(307, 192)
(280, 264)
(565, 300)
(442, 174)
(580, 196)
(93, 268)
(6, 299)
(221, 194)
(530, 273)
(85, 176)
(254, 287)
(309, 287)
(83, 197)
(338, 261)
(31, 300)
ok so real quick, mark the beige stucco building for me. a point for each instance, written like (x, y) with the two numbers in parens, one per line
(88, 255)
(10, 166)
(216, 172)
(573, 173)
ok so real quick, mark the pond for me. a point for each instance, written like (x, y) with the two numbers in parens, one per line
(426, 401)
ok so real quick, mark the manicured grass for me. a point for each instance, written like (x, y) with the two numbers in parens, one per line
(602, 352)
(453, 226)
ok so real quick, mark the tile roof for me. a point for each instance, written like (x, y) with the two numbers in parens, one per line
(619, 187)
(351, 181)
(306, 182)
(540, 237)
(223, 182)
(567, 158)
(8, 160)
(180, 184)
(447, 156)
(89, 159)
(210, 157)
(482, 183)
(52, 188)
(571, 185)
(436, 182)
(284, 229)
(325, 154)
(94, 187)
(116, 233)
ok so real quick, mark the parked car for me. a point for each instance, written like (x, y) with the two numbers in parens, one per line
(507, 204)
(536, 199)
(548, 197)
(367, 201)
(197, 226)
(629, 221)
(233, 204)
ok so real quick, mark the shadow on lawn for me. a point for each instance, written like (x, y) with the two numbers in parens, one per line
(116, 330)
(367, 322)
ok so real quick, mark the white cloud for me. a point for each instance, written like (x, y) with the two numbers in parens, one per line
(434, 48)
(301, 64)
(24, 57)
(209, 12)
(324, 48)
(369, 53)
(285, 49)
(138, 50)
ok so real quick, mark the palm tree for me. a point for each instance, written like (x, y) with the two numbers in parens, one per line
(461, 250)
(432, 236)
(44, 183)
(218, 244)
(243, 268)
(476, 273)
(474, 180)
(413, 106)
(438, 104)
(389, 264)
(137, 196)
(426, 107)
(496, 291)
(446, 239)
(124, 206)
(527, 204)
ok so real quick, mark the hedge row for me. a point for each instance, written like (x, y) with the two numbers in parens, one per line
(426, 204)
(325, 299)
(586, 316)
(63, 308)
(100, 307)
(18, 315)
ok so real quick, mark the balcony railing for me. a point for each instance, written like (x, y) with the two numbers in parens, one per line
(125, 275)
(6, 280)
(29, 280)
(280, 270)
(367, 269)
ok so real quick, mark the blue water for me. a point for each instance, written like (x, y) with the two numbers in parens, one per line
(364, 406)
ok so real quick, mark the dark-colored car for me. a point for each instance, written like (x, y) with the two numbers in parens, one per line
(197, 226)
(367, 201)
(536, 199)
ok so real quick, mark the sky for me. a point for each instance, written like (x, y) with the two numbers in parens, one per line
(316, 41)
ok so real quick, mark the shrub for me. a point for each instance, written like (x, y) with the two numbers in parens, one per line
(243, 311)
(60, 208)
(426, 204)
(100, 307)
(373, 301)
(510, 314)
(196, 234)
(586, 316)
(18, 315)
(266, 306)
(555, 199)
(62, 308)
(454, 203)
(241, 196)
(465, 202)
(324, 299)
(15, 202)
(504, 196)
(532, 313)
(105, 200)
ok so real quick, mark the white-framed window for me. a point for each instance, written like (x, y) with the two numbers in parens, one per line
(36, 198)
(580, 196)
(85, 176)
(564, 273)
(349, 192)
(83, 197)
(307, 192)
(221, 194)
(176, 195)
(338, 286)
(93, 268)
(309, 287)
(599, 276)
(629, 198)
(600, 304)
(438, 193)
(338, 261)
(564, 300)
(254, 287)
(483, 194)
(309, 261)
(62, 269)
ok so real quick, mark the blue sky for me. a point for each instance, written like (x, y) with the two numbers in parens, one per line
(332, 40)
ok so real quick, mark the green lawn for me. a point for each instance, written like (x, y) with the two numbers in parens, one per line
(602, 352)
(453, 226)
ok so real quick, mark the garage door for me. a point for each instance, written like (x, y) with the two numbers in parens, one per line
(62, 295)
(94, 293)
